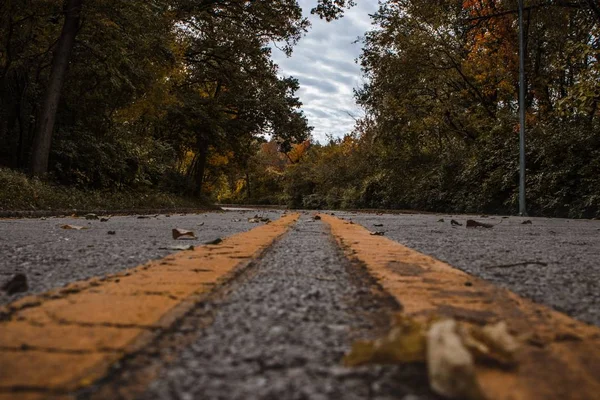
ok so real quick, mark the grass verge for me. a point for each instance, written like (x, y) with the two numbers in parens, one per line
(18, 192)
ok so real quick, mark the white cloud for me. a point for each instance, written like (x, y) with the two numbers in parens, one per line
(324, 63)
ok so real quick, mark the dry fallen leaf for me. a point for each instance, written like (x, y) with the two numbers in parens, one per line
(74, 227)
(450, 366)
(378, 225)
(104, 219)
(179, 234)
(450, 348)
(492, 343)
(377, 233)
(317, 217)
(91, 216)
(455, 223)
(474, 224)
(16, 284)
(254, 220)
(528, 222)
(216, 241)
(405, 343)
(180, 247)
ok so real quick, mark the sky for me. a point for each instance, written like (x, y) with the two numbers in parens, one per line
(324, 64)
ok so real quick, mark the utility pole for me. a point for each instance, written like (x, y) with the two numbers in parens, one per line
(522, 207)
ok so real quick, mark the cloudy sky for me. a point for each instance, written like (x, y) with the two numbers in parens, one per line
(324, 63)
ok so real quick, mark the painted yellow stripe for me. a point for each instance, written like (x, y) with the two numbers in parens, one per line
(561, 356)
(67, 338)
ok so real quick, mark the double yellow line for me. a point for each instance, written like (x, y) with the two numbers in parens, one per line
(66, 339)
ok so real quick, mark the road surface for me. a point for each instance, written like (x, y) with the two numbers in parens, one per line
(280, 328)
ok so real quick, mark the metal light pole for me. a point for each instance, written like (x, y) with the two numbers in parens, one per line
(522, 208)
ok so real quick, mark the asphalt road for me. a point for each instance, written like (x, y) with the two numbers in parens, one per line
(281, 331)
(555, 262)
(51, 257)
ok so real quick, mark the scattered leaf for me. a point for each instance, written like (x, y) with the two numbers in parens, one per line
(254, 220)
(378, 225)
(216, 241)
(43, 219)
(455, 223)
(16, 284)
(91, 216)
(441, 220)
(179, 234)
(236, 220)
(111, 232)
(494, 344)
(104, 219)
(450, 365)
(180, 247)
(474, 224)
(74, 227)
(143, 217)
(377, 233)
(405, 343)
(451, 350)
(317, 217)
(528, 222)
(201, 224)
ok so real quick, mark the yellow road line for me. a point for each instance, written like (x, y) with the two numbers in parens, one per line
(67, 338)
(561, 357)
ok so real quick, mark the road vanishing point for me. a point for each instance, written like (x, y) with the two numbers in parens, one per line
(266, 304)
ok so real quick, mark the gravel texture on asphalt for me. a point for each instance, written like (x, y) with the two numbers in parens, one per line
(51, 257)
(551, 261)
(281, 334)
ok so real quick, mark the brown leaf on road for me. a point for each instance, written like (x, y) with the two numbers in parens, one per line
(179, 234)
(528, 222)
(455, 223)
(377, 233)
(74, 227)
(451, 350)
(378, 225)
(317, 217)
(405, 343)
(16, 284)
(471, 223)
(91, 216)
(216, 241)
(179, 248)
(450, 365)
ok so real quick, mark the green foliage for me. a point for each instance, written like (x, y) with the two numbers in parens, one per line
(154, 89)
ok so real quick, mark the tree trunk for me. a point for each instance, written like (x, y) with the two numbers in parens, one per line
(201, 158)
(60, 63)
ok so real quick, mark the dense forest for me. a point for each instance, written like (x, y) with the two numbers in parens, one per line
(441, 130)
(181, 96)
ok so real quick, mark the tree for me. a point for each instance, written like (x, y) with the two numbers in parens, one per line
(60, 64)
